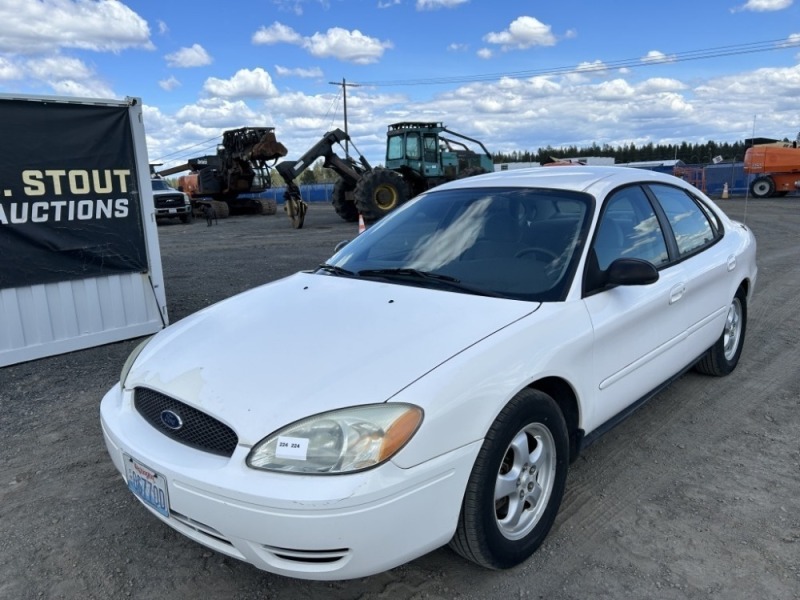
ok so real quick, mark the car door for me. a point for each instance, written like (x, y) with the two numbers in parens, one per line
(706, 259)
(638, 329)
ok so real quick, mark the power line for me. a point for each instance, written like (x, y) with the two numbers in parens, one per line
(185, 150)
(702, 54)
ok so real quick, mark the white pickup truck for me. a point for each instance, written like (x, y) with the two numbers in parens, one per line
(170, 202)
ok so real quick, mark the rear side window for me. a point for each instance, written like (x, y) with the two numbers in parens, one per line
(692, 226)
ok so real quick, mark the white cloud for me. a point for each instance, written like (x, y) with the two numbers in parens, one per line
(298, 72)
(523, 32)
(348, 46)
(277, 33)
(48, 25)
(485, 53)
(246, 83)
(661, 84)
(64, 75)
(58, 67)
(69, 87)
(162, 27)
(434, 4)
(597, 66)
(218, 112)
(655, 56)
(196, 56)
(792, 40)
(169, 84)
(457, 47)
(388, 3)
(341, 44)
(9, 70)
(766, 5)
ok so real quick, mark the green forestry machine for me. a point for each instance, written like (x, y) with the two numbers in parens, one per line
(418, 157)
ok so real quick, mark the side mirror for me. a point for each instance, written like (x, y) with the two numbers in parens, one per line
(340, 245)
(631, 271)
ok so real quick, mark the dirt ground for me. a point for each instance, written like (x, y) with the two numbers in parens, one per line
(696, 496)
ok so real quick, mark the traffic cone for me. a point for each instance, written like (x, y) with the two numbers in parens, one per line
(725, 191)
(362, 227)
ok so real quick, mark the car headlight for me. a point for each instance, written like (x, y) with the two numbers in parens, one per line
(126, 368)
(340, 441)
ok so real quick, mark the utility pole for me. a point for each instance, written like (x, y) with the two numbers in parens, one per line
(345, 85)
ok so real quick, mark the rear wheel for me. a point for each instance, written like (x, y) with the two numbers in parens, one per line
(516, 485)
(344, 208)
(762, 187)
(268, 206)
(221, 209)
(379, 192)
(723, 356)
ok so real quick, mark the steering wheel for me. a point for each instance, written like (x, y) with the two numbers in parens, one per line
(543, 252)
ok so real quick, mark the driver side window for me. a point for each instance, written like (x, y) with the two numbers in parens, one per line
(628, 228)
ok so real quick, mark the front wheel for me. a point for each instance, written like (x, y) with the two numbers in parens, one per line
(379, 192)
(762, 187)
(516, 485)
(723, 356)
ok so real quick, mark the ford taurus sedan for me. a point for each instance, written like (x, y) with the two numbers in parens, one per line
(456, 357)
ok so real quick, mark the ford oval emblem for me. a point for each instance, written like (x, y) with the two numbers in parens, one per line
(171, 420)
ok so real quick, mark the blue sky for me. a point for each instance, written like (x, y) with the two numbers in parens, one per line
(519, 75)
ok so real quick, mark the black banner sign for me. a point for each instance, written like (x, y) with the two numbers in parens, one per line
(69, 199)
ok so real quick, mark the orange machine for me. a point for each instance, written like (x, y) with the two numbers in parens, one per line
(777, 165)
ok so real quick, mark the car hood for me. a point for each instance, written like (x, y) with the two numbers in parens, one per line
(310, 343)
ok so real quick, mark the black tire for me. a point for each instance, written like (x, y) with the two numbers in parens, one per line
(268, 206)
(762, 187)
(723, 356)
(221, 209)
(344, 208)
(531, 425)
(379, 192)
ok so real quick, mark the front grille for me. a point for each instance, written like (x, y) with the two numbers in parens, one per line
(165, 201)
(197, 429)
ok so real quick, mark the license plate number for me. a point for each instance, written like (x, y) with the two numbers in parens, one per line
(172, 211)
(150, 487)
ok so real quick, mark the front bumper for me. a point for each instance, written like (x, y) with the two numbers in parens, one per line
(311, 527)
(174, 211)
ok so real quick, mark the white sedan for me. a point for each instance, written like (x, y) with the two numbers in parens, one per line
(432, 381)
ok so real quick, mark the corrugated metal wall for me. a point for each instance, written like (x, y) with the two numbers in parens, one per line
(53, 318)
(49, 319)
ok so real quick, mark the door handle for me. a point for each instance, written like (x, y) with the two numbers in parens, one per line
(676, 293)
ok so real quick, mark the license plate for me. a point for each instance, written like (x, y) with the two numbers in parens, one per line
(172, 211)
(150, 487)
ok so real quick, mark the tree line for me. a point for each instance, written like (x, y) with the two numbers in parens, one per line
(686, 152)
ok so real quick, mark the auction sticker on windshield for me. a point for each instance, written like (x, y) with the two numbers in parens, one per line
(149, 486)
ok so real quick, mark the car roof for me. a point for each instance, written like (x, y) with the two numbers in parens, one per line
(566, 177)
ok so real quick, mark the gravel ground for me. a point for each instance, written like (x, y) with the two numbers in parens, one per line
(695, 496)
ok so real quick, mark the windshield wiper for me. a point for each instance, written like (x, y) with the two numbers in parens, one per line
(334, 270)
(409, 273)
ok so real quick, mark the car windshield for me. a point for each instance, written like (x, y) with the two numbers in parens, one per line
(160, 185)
(519, 243)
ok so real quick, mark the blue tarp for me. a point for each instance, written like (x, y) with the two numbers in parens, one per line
(317, 192)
